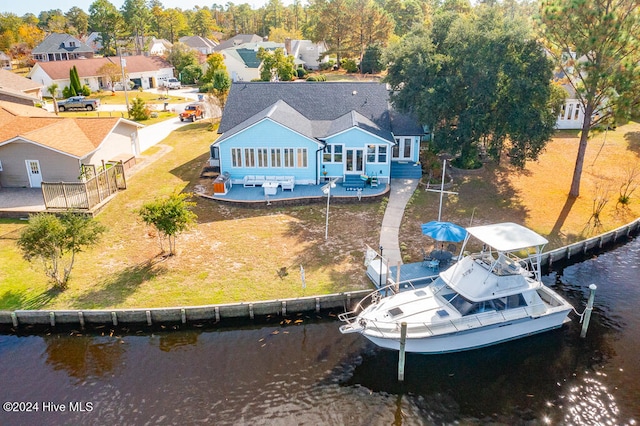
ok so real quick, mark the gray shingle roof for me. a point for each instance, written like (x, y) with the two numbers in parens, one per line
(237, 40)
(53, 43)
(281, 113)
(320, 102)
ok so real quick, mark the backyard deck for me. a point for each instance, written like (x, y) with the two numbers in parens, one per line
(301, 193)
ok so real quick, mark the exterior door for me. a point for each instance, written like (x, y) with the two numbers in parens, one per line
(34, 173)
(403, 150)
(354, 163)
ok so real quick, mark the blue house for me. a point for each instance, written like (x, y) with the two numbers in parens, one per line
(309, 132)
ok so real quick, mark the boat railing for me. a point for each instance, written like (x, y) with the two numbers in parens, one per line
(390, 329)
(374, 297)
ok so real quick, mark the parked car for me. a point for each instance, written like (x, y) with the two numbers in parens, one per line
(192, 112)
(78, 102)
(171, 83)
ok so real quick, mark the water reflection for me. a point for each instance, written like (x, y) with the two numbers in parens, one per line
(83, 356)
(311, 374)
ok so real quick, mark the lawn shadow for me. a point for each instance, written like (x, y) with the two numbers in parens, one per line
(564, 213)
(633, 141)
(115, 288)
(11, 301)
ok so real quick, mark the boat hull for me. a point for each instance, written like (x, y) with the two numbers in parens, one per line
(474, 338)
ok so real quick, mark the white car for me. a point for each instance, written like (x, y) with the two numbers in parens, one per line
(172, 83)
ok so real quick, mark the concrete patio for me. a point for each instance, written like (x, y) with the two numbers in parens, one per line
(20, 202)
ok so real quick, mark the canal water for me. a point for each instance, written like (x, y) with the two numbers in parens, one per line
(305, 373)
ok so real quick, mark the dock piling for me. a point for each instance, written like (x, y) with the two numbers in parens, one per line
(587, 312)
(403, 341)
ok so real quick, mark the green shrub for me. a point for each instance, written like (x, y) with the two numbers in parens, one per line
(349, 65)
(85, 91)
(66, 92)
(206, 88)
(301, 72)
(139, 110)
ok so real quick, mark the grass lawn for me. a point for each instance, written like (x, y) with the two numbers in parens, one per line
(233, 254)
(537, 196)
(245, 254)
(162, 115)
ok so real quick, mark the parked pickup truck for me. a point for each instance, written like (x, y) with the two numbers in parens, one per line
(192, 112)
(78, 102)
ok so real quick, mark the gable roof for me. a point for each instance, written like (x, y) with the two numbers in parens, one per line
(59, 70)
(248, 52)
(281, 113)
(54, 43)
(197, 42)
(76, 137)
(9, 80)
(237, 40)
(321, 103)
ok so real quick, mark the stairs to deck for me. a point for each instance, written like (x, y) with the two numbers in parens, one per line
(352, 182)
(406, 170)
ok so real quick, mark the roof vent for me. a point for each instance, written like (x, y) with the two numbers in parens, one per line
(355, 92)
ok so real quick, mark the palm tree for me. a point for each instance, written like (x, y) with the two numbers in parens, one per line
(53, 89)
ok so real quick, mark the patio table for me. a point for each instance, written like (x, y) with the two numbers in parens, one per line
(270, 188)
(442, 255)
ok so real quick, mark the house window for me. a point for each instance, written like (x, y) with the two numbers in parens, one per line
(332, 154)
(327, 155)
(371, 153)
(249, 157)
(289, 157)
(301, 157)
(263, 157)
(236, 157)
(570, 111)
(276, 157)
(382, 154)
(577, 111)
(337, 154)
(0, 166)
(376, 154)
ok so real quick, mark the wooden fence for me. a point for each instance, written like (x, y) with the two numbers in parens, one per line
(84, 195)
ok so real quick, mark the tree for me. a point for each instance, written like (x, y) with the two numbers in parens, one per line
(55, 240)
(170, 216)
(75, 88)
(276, 66)
(596, 45)
(139, 110)
(334, 20)
(136, 17)
(112, 72)
(202, 23)
(105, 19)
(78, 20)
(181, 56)
(484, 87)
(53, 90)
(215, 62)
(372, 60)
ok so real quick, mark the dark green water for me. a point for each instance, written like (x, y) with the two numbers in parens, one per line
(309, 374)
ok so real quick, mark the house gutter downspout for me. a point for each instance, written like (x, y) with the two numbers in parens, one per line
(324, 145)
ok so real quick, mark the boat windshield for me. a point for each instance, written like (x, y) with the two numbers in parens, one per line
(467, 307)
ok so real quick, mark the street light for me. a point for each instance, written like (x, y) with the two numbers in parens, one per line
(326, 189)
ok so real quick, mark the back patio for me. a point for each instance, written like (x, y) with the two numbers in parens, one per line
(302, 194)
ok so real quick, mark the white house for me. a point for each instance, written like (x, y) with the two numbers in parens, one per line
(143, 71)
(242, 61)
(60, 47)
(159, 47)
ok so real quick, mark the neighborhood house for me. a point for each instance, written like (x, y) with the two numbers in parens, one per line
(37, 146)
(311, 132)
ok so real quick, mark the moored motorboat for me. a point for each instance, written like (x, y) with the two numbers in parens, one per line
(487, 297)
